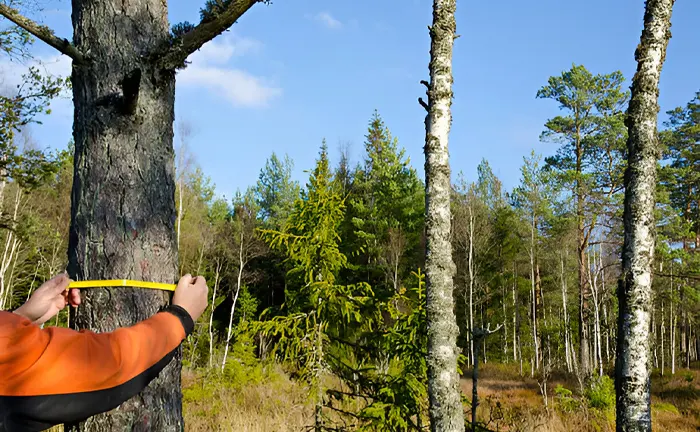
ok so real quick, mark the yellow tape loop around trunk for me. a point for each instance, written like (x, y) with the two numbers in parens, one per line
(122, 283)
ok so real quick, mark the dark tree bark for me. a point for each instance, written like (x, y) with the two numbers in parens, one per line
(633, 371)
(123, 202)
(446, 412)
(123, 199)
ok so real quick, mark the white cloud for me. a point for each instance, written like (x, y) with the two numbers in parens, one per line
(237, 86)
(328, 20)
(208, 70)
(222, 50)
(12, 70)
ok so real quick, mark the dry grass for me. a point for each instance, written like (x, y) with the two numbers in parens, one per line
(515, 403)
(511, 402)
(278, 404)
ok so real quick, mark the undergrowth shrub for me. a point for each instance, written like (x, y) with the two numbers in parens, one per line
(601, 393)
(565, 400)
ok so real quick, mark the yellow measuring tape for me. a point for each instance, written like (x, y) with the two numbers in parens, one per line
(121, 283)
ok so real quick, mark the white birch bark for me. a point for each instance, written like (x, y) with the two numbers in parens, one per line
(211, 316)
(446, 412)
(505, 323)
(533, 293)
(515, 317)
(567, 342)
(241, 265)
(672, 325)
(632, 377)
(11, 245)
(663, 332)
(471, 282)
(593, 283)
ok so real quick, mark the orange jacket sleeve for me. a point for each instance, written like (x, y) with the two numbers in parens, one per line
(56, 375)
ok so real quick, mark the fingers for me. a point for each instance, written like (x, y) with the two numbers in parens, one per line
(185, 280)
(74, 297)
(58, 283)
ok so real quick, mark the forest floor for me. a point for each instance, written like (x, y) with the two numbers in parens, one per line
(509, 402)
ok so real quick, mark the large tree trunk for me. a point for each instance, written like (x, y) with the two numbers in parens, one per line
(446, 412)
(123, 200)
(632, 375)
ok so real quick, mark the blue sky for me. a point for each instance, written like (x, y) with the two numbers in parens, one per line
(289, 74)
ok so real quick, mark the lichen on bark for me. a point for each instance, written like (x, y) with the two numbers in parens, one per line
(632, 374)
(446, 412)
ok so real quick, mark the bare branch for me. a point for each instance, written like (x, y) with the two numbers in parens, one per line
(423, 104)
(42, 32)
(680, 276)
(212, 25)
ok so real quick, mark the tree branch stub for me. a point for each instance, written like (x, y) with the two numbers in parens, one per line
(44, 33)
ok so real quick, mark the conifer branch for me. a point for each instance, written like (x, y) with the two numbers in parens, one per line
(217, 17)
(42, 32)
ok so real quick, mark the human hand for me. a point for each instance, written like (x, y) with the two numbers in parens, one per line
(49, 299)
(192, 294)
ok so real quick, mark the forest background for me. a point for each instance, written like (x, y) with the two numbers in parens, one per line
(536, 235)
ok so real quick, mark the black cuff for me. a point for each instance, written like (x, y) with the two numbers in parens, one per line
(184, 316)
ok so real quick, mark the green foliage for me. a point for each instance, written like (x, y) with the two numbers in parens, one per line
(29, 168)
(565, 399)
(317, 307)
(600, 393)
(688, 377)
(180, 29)
(592, 154)
(242, 366)
(212, 8)
(387, 370)
(276, 192)
(15, 41)
(385, 212)
(665, 407)
(680, 176)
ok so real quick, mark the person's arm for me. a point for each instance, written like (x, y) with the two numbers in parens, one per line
(58, 375)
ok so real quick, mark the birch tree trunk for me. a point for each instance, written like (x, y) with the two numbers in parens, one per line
(11, 245)
(533, 292)
(632, 375)
(663, 332)
(446, 412)
(505, 322)
(471, 283)
(567, 342)
(515, 317)
(241, 264)
(211, 315)
(672, 325)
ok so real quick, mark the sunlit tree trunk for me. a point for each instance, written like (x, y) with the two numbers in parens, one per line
(217, 274)
(533, 292)
(632, 375)
(471, 282)
(446, 413)
(663, 333)
(239, 280)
